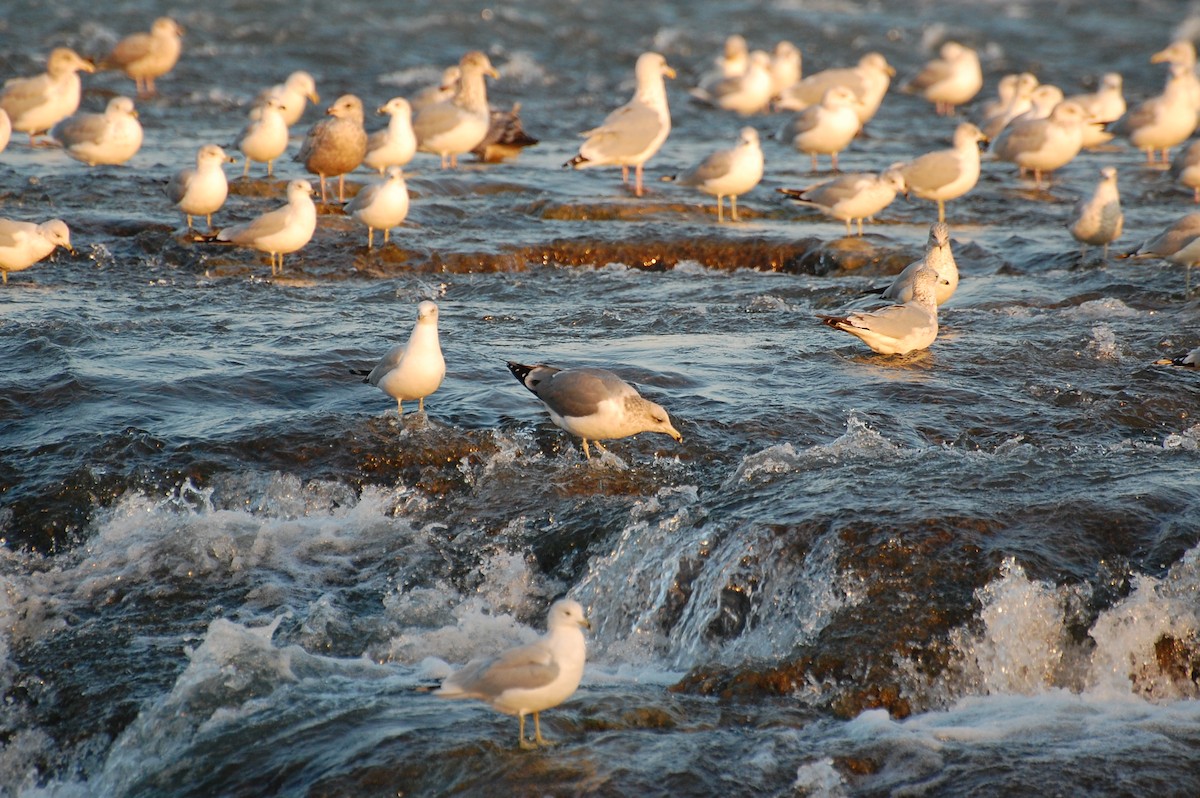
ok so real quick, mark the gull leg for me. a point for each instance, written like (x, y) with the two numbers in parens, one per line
(387, 235)
(637, 175)
(525, 744)
(188, 216)
(720, 209)
(341, 188)
(537, 732)
(208, 221)
(849, 227)
(859, 226)
(587, 455)
(599, 446)
(322, 188)
(733, 207)
(624, 174)
(246, 168)
(400, 410)
(421, 409)
(834, 156)
(370, 237)
(814, 162)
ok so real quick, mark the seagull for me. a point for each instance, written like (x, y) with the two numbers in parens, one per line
(265, 136)
(826, 128)
(745, 94)
(1097, 220)
(869, 80)
(852, 196)
(1165, 120)
(951, 80)
(453, 127)
(293, 95)
(732, 62)
(1191, 359)
(785, 68)
(532, 678)
(1170, 240)
(630, 135)
(1042, 145)
(336, 145)
(23, 244)
(506, 136)
(5, 129)
(729, 172)
(1185, 168)
(1103, 106)
(112, 137)
(146, 56)
(440, 92)
(36, 104)
(396, 144)
(414, 370)
(593, 404)
(937, 257)
(897, 329)
(201, 191)
(944, 175)
(281, 231)
(381, 206)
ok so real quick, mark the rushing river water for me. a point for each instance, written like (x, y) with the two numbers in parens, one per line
(231, 569)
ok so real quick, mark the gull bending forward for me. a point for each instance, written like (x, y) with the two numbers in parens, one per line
(592, 403)
(532, 678)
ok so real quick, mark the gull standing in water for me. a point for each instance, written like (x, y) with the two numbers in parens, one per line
(897, 329)
(826, 128)
(293, 95)
(453, 127)
(413, 370)
(851, 197)
(951, 80)
(281, 231)
(944, 175)
(1097, 220)
(201, 191)
(632, 134)
(38, 103)
(336, 145)
(529, 679)
(146, 56)
(110, 138)
(729, 172)
(23, 244)
(381, 206)
(1043, 145)
(593, 404)
(937, 257)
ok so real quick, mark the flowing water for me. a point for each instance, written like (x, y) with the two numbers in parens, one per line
(231, 569)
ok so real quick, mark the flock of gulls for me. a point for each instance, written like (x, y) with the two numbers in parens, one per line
(1031, 125)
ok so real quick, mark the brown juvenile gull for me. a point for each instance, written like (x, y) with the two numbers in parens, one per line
(851, 197)
(281, 231)
(896, 329)
(506, 136)
(729, 172)
(937, 257)
(1097, 220)
(944, 175)
(112, 137)
(532, 678)
(633, 133)
(23, 244)
(146, 56)
(453, 127)
(336, 145)
(413, 370)
(201, 191)
(593, 404)
(952, 79)
(38, 103)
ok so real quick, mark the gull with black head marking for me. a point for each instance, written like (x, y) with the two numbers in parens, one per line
(593, 404)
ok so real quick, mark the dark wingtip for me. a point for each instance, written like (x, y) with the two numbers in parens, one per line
(575, 162)
(832, 321)
(519, 370)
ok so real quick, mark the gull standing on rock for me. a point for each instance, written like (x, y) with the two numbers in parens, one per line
(201, 191)
(532, 678)
(951, 80)
(36, 104)
(265, 136)
(826, 128)
(1042, 145)
(944, 175)
(23, 244)
(593, 404)
(729, 172)
(381, 206)
(455, 126)
(293, 95)
(937, 257)
(110, 138)
(146, 56)
(897, 329)
(336, 145)
(396, 144)
(851, 197)
(632, 134)
(415, 369)
(281, 231)
(1097, 220)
